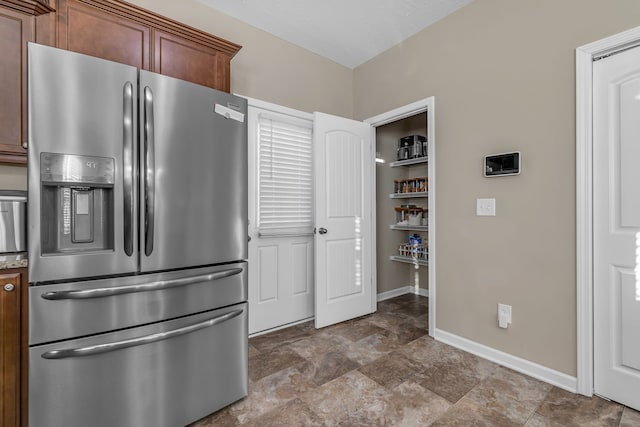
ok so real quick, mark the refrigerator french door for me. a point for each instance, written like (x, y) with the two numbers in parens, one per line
(195, 209)
(137, 245)
(82, 119)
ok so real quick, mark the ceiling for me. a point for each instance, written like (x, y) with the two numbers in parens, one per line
(349, 32)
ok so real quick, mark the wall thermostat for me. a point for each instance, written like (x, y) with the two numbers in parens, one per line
(502, 164)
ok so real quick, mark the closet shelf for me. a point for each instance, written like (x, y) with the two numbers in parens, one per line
(408, 260)
(409, 195)
(409, 227)
(409, 162)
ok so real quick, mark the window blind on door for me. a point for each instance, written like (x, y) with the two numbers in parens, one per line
(285, 182)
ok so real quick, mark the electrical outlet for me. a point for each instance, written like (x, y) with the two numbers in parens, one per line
(504, 315)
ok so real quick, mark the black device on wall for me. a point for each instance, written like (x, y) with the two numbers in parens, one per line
(502, 164)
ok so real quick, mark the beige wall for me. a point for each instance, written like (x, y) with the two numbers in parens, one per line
(390, 274)
(13, 177)
(502, 73)
(266, 68)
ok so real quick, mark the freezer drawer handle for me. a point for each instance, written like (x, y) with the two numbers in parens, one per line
(146, 287)
(148, 339)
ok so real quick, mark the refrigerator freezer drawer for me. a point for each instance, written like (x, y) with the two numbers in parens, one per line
(166, 374)
(67, 310)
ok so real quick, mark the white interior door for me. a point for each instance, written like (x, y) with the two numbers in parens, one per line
(280, 217)
(616, 216)
(343, 169)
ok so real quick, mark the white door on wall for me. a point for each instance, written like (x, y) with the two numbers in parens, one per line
(616, 234)
(280, 217)
(343, 169)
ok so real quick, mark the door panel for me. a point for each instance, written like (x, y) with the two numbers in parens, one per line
(281, 273)
(629, 309)
(343, 163)
(196, 200)
(616, 210)
(629, 150)
(268, 273)
(302, 267)
(343, 153)
(340, 258)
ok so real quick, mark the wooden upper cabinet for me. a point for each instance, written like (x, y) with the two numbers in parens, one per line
(92, 31)
(188, 60)
(121, 32)
(16, 29)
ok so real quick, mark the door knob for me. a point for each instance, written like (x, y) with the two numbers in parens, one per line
(322, 230)
(9, 287)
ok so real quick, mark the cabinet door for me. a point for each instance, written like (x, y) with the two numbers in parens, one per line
(121, 32)
(16, 29)
(191, 61)
(96, 32)
(10, 337)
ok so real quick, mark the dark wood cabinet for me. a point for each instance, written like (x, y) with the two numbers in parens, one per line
(121, 32)
(92, 31)
(188, 60)
(109, 29)
(13, 348)
(17, 27)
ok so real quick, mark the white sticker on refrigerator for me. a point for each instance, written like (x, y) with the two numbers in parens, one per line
(229, 113)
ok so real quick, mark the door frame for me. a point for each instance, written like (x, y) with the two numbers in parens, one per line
(584, 196)
(428, 105)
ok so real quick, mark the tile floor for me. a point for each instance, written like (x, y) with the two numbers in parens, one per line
(384, 370)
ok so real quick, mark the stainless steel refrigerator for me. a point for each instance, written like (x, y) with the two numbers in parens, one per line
(137, 225)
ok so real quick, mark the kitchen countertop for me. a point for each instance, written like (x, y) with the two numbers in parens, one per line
(13, 261)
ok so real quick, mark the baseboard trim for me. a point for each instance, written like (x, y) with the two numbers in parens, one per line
(401, 291)
(421, 291)
(532, 369)
(393, 293)
(380, 297)
(277, 328)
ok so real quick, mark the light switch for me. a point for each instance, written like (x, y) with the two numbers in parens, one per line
(504, 315)
(486, 207)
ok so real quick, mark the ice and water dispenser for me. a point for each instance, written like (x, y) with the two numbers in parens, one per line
(77, 203)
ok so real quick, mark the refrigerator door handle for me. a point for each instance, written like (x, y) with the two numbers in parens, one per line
(128, 169)
(150, 172)
(146, 287)
(147, 339)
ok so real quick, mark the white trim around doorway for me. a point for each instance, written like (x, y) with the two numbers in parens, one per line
(428, 105)
(584, 196)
